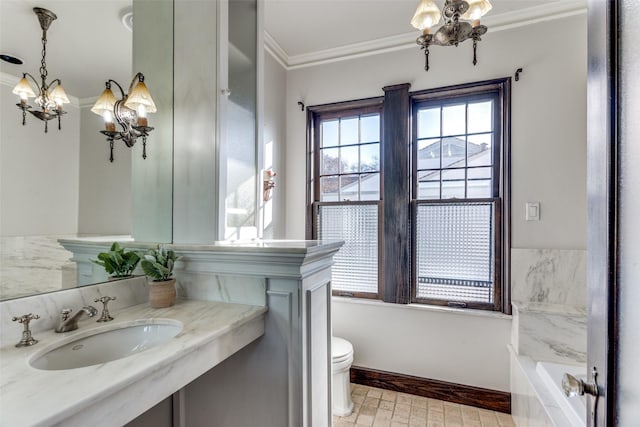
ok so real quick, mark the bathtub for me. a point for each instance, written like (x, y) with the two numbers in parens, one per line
(574, 409)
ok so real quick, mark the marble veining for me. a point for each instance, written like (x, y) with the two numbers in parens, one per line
(211, 287)
(548, 336)
(34, 264)
(549, 276)
(122, 389)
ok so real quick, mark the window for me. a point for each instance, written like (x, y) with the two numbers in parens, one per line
(422, 206)
(346, 159)
(457, 193)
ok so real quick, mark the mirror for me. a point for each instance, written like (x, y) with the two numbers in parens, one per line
(60, 184)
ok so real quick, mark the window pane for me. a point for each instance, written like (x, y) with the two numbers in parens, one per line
(429, 185)
(455, 255)
(453, 189)
(429, 123)
(453, 152)
(355, 267)
(349, 131)
(370, 128)
(329, 133)
(453, 120)
(329, 161)
(369, 157)
(370, 186)
(329, 189)
(349, 187)
(429, 154)
(349, 159)
(479, 183)
(480, 117)
(479, 150)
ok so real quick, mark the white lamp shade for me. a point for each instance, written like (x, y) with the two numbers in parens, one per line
(23, 89)
(477, 9)
(427, 15)
(105, 102)
(140, 96)
(58, 95)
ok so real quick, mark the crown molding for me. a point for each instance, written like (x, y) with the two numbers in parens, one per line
(501, 22)
(276, 51)
(10, 80)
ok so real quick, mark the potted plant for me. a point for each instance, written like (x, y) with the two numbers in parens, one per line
(157, 264)
(118, 263)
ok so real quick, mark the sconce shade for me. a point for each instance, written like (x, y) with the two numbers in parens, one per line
(140, 96)
(59, 95)
(477, 9)
(427, 15)
(23, 89)
(105, 102)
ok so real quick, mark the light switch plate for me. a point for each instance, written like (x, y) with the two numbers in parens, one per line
(532, 211)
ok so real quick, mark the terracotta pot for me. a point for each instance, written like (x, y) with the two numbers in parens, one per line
(162, 294)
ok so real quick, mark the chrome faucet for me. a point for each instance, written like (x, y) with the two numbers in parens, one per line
(70, 323)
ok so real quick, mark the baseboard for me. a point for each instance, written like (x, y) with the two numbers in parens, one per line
(451, 392)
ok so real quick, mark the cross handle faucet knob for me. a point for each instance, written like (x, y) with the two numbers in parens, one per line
(105, 317)
(27, 340)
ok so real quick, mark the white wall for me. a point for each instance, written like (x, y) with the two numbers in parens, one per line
(38, 172)
(105, 187)
(548, 165)
(274, 137)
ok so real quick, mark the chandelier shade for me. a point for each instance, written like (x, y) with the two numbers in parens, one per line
(477, 9)
(23, 89)
(140, 96)
(427, 15)
(59, 96)
(105, 102)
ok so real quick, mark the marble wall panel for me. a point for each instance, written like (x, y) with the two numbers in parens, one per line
(34, 264)
(549, 276)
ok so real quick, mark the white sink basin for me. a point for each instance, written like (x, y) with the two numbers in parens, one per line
(105, 345)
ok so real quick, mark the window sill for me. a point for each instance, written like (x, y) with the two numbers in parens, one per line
(423, 307)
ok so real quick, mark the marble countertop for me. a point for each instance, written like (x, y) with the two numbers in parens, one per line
(122, 389)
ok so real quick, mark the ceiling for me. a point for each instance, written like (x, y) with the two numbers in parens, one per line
(88, 44)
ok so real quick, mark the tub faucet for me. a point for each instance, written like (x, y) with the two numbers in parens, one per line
(70, 323)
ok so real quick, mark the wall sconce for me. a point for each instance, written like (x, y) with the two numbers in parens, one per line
(454, 30)
(268, 183)
(130, 112)
(50, 97)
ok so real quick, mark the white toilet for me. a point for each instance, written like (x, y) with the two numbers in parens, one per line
(341, 359)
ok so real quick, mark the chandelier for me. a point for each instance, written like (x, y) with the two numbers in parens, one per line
(130, 112)
(455, 29)
(50, 97)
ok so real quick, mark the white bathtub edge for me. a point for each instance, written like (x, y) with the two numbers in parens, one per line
(551, 408)
(575, 409)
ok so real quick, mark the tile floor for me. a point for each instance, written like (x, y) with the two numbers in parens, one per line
(383, 408)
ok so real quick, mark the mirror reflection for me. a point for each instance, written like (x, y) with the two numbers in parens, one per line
(60, 184)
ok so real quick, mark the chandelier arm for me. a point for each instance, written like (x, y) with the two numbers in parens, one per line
(139, 77)
(119, 87)
(57, 81)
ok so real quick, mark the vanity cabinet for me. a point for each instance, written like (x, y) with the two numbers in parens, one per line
(283, 378)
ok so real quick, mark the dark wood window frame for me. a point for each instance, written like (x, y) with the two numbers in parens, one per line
(315, 115)
(397, 205)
